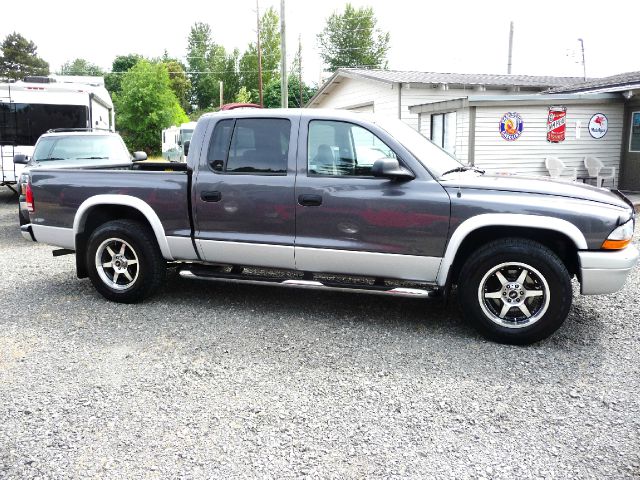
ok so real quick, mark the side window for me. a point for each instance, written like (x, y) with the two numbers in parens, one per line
(259, 145)
(343, 149)
(219, 144)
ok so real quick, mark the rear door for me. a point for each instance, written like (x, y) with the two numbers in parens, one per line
(244, 201)
(348, 221)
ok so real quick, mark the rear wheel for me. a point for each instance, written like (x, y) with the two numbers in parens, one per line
(124, 262)
(515, 291)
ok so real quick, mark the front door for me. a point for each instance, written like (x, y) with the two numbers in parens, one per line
(348, 221)
(244, 193)
(630, 167)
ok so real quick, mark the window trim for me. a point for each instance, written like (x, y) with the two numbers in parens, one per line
(228, 148)
(631, 132)
(361, 177)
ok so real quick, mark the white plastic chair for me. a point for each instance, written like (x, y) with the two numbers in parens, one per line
(596, 169)
(557, 169)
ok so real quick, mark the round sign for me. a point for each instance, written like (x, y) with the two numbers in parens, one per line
(598, 125)
(511, 126)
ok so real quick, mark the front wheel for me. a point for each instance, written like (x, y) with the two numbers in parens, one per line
(124, 261)
(515, 291)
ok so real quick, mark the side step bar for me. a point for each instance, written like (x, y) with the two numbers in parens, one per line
(312, 284)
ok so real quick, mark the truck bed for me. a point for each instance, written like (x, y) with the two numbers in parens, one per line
(58, 193)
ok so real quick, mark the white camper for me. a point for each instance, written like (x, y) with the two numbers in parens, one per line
(173, 139)
(31, 107)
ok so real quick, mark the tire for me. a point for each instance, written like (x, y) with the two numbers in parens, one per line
(507, 305)
(139, 272)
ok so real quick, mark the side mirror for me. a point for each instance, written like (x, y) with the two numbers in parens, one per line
(139, 156)
(179, 142)
(390, 168)
(187, 144)
(20, 159)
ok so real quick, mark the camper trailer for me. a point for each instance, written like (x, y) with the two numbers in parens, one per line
(173, 139)
(35, 105)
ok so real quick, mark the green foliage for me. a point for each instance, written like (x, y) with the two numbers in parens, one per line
(243, 96)
(179, 82)
(208, 64)
(272, 93)
(270, 49)
(146, 105)
(80, 66)
(18, 58)
(352, 39)
(120, 65)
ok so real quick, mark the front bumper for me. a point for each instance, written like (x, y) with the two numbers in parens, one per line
(605, 271)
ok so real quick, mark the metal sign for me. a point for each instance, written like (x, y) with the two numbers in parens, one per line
(598, 125)
(556, 124)
(511, 125)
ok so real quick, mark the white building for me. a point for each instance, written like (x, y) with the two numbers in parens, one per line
(463, 112)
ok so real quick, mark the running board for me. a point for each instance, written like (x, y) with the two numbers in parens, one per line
(313, 284)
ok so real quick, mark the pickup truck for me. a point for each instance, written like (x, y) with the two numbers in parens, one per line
(338, 200)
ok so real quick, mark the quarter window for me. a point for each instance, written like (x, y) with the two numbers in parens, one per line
(343, 149)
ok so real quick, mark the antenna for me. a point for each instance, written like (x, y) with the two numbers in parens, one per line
(510, 47)
(300, 67)
(284, 87)
(259, 56)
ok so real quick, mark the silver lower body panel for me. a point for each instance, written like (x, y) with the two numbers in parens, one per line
(604, 271)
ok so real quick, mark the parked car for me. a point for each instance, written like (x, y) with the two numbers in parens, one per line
(287, 190)
(72, 148)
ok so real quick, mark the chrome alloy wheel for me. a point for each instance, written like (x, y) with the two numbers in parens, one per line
(117, 264)
(514, 295)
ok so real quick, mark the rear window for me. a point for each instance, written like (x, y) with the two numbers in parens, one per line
(250, 146)
(89, 147)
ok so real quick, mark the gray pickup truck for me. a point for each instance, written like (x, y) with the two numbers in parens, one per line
(334, 200)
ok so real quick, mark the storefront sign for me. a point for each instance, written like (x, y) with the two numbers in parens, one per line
(598, 125)
(556, 124)
(511, 126)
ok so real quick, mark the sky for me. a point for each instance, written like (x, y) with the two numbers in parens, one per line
(447, 36)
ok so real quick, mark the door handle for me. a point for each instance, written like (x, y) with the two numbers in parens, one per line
(310, 200)
(211, 196)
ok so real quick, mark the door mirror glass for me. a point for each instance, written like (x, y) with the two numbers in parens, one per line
(390, 168)
(20, 159)
(139, 156)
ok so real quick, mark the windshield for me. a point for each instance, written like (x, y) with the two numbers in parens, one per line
(186, 135)
(435, 159)
(86, 147)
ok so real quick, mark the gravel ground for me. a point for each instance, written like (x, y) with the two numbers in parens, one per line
(209, 380)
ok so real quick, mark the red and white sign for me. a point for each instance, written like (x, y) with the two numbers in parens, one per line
(598, 125)
(556, 124)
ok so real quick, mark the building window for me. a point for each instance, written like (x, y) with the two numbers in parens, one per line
(634, 142)
(443, 131)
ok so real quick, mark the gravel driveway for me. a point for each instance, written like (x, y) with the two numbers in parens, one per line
(210, 380)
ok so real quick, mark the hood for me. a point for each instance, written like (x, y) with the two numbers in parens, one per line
(537, 185)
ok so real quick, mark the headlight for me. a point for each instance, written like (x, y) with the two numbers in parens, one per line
(620, 237)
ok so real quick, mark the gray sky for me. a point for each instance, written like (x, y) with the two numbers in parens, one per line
(454, 36)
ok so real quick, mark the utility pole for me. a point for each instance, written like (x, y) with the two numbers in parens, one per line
(584, 67)
(300, 67)
(510, 47)
(259, 56)
(221, 96)
(284, 87)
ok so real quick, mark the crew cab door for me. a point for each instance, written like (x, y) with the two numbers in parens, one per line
(348, 221)
(244, 207)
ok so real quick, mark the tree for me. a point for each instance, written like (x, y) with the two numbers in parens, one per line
(270, 49)
(121, 64)
(273, 93)
(146, 105)
(243, 96)
(179, 82)
(80, 66)
(19, 59)
(352, 39)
